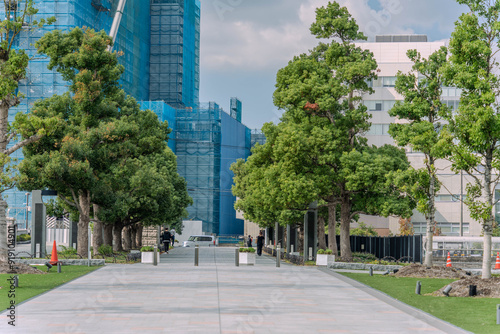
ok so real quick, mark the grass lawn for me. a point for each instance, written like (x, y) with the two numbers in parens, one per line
(31, 285)
(477, 315)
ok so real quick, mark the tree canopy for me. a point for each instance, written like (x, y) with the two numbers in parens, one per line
(474, 128)
(422, 113)
(318, 152)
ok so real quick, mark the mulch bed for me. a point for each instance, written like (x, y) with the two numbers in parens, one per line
(18, 268)
(484, 287)
(417, 270)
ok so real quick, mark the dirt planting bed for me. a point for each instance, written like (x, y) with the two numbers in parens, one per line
(484, 287)
(417, 270)
(18, 268)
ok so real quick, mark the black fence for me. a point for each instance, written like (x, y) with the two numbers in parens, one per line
(407, 248)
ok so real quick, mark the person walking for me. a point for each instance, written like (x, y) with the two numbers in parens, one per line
(173, 237)
(260, 243)
(166, 238)
(249, 241)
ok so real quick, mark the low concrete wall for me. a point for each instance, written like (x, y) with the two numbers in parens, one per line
(361, 266)
(65, 262)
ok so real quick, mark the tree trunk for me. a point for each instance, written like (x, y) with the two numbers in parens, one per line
(127, 238)
(108, 234)
(117, 237)
(133, 235)
(488, 224)
(300, 239)
(97, 236)
(83, 224)
(139, 235)
(345, 224)
(332, 228)
(321, 233)
(4, 246)
(430, 217)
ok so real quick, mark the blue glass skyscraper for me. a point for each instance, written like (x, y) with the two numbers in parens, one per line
(159, 43)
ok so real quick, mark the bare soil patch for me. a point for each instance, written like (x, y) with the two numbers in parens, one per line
(417, 270)
(18, 268)
(484, 287)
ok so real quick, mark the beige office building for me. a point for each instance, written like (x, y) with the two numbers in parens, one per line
(452, 216)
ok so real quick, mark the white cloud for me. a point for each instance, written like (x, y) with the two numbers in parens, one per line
(257, 35)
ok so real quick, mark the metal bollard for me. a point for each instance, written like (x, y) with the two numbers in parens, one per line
(58, 267)
(196, 254)
(278, 257)
(371, 271)
(472, 290)
(16, 281)
(418, 288)
(155, 256)
(237, 257)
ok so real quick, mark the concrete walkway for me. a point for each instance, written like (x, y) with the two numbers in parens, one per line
(217, 297)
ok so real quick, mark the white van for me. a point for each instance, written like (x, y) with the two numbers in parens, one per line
(200, 240)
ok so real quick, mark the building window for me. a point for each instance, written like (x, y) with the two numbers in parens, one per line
(451, 229)
(449, 198)
(388, 81)
(378, 130)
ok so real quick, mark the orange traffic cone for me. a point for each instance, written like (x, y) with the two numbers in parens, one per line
(448, 260)
(497, 264)
(53, 258)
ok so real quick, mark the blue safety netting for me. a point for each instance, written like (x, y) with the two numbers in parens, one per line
(165, 113)
(175, 47)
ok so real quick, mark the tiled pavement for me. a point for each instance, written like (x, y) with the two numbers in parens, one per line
(217, 297)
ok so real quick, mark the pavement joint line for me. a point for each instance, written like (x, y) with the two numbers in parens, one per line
(218, 291)
(408, 309)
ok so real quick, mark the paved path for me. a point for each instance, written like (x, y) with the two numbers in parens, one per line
(217, 297)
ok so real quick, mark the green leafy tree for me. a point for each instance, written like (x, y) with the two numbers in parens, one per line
(474, 128)
(322, 144)
(364, 230)
(19, 20)
(67, 160)
(146, 190)
(422, 112)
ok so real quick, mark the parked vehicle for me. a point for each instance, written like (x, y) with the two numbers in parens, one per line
(200, 240)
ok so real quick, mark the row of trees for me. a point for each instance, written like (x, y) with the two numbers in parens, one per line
(107, 159)
(318, 152)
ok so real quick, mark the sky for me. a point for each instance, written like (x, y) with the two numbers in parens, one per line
(245, 42)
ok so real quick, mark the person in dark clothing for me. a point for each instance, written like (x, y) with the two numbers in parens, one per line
(260, 243)
(249, 241)
(173, 237)
(166, 239)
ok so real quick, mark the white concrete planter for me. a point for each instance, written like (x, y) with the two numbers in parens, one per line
(147, 257)
(247, 258)
(324, 259)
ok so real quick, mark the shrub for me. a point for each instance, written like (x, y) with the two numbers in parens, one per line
(23, 237)
(363, 257)
(247, 250)
(325, 251)
(105, 249)
(147, 249)
(67, 251)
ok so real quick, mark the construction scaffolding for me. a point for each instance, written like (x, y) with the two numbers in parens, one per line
(133, 40)
(208, 141)
(174, 58)
(164, 113)
(198, 149)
